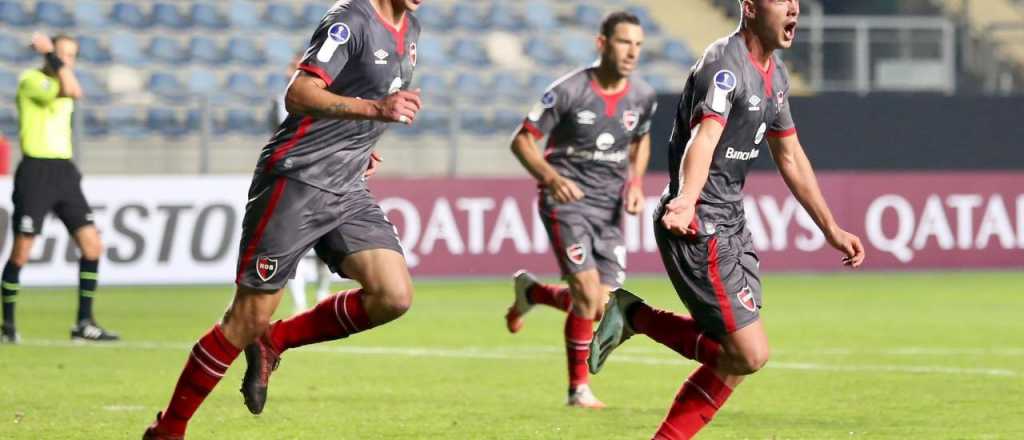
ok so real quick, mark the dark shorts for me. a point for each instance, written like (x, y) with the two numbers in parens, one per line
(584, 237)
(45, 185)
(716, 274)
(284, 218)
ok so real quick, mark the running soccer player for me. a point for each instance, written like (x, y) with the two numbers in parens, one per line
(308, 192)
(597, 120)
(47, 181)
(735, 98)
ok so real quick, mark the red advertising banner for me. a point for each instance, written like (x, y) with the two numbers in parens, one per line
(907, 221)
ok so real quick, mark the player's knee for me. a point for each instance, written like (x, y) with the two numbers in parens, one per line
(396, 298)
(752, 361)
(92, 250)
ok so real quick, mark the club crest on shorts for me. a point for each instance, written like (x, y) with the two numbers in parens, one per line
(630, 118)
(266, 267)
(576, 253)
(746, 297)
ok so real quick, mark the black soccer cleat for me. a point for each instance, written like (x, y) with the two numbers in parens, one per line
(9, 335)
(89, 331)
(260, 360)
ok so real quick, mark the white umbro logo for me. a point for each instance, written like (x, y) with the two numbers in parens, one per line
(754, 101)
(382, 56)
(586, 117)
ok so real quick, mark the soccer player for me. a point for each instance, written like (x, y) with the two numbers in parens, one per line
(47, 181)
(308, 191)
(597, 120)
(735, 98)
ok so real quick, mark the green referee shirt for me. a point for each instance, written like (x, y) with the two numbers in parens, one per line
(45, 118)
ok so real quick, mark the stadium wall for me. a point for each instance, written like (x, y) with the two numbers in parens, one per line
(185, 229)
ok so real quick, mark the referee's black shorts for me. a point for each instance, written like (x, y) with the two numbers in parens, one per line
(44, 185)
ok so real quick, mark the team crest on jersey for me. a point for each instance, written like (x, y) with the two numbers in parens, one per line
(266, 267)
(746, 297)
(412, 54)
(337, 35)
(549, 99)
(630, 118)
(725, 80)
(780, 98)
(576, 254)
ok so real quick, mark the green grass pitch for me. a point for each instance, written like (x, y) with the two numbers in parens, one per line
(872, 356)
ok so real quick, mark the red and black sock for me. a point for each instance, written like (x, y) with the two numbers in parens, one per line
(578, 334)
(680, 333)
(336, 317)
(696, 404)
(550, 295)
(206, 365)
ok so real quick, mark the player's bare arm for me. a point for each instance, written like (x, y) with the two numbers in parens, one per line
(796, 170)
(694, 174)
(528, 154)
(308, 95)
(639, 156)
(63, 60)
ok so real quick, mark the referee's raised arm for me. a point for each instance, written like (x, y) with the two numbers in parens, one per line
(59, 53)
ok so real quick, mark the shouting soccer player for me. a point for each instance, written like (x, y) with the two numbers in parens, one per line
(597, 120)
(308, 191)
(735, 99)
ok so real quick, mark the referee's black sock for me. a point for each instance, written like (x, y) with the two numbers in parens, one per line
(88, 271)
(9, 288)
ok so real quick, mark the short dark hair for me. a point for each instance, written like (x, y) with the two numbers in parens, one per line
(614, 19)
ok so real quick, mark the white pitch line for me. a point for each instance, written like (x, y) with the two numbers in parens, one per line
(532, 353)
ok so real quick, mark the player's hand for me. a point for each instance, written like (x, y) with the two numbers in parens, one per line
(374, 165)
(849, 245)
(400, 106)
(678, 217)
(564, 190)
(41, 43)
(634, 199)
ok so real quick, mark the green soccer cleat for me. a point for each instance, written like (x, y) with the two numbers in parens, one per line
(613, 329)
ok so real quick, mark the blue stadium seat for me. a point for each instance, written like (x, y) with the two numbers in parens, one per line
(125, 121)
(168, 15)
(505, 17)
(313, 13)
(53, 14)
(588, 16)
(130, 15)
(677, 52)
(660, 83)
(95, 89)
(90, 50)
(430, 52)
(206, 15)
(506, 120)
(8, 84)
(242, 121)
(469, 52)
(432, 84)
(244, 50)
(165, 121)
(507, 85)
(9, 122)
(14, 14)
(476, 123)
(194, 120)
(538, 83)
(648, 22)
(166, 85)
(540, 15)
(202, 82)
(280, 51)
(276, 84)
(14, 51)
(95, 124)
(432, 16)
(243, 85)
(244, 14)
(467, 16)
(124, 48)
(89, 14)
(543, 52)
(579, 50)
(470, 86)
(204, 50)
(434, 122)
(282, 16)
(167, 50)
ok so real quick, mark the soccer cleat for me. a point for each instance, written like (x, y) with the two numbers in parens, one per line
(89, 330)
(8, 335)
(260, 361)
(523, 281)
(153, 432)
(583, 397)
(613, 329)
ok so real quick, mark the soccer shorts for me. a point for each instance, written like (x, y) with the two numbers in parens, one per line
(44, 185)
(585, 237)
(284, 218)
(716, 272)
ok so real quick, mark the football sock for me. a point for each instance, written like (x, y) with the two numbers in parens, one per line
(695, 405)
(206, 365)
(336, 317)
(550, 295)
(88, 271)
(680, 333)
(10, 291)
(578, 334)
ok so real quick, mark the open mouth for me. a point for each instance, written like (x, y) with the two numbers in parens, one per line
(789, 31)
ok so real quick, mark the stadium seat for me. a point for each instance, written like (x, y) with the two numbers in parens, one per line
(507, 85)
(466, 15)
(202, 82)
(540, 15)
(433, 17)
(505, 121)
(468, 51)
(275, 84)
(168, 15)
(312, 13)
(167, 50)
(14, 14)
(95, 89)
(538, 83)
(166, 85)
(505, 17)
(89, 14)
(677, 52)
(431, 52)
(660, 83)
(206, 15)
(243, 50)
(95, 124)
(14, 51)
(244, 14)
(588, 16)
(242, 85)
(475, 123)
(53, 14)
(91, 51)
(9, 122)
(282, 16)
(130, 15)
(280, 51)
(470, 86)
(204, 50)
(124, 48)
(434, 122)
(432, 84)
(579, 50)
(165, 121)
(542, 52)
(125, 121)
(8, 84)
(242, 121)
(648, 22)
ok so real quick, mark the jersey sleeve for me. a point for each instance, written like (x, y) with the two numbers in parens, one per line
(547, 112)
(333, 44)
(38, 87)
(645, 119)
(783, 124)
(715, 88)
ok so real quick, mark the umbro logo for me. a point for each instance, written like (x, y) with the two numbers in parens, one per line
(381, 55)
(586, 117)
(754, 102)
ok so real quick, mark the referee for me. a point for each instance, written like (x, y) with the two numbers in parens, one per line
(47, 180)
